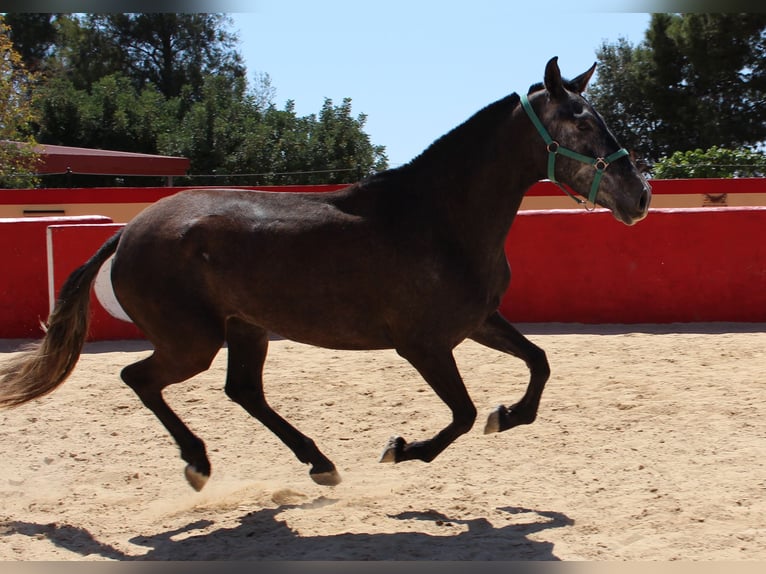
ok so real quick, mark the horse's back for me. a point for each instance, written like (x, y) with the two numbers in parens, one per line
(290, 262)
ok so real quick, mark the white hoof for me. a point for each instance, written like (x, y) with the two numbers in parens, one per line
(195, 477)
(331, 478)
(493, 421)
(389, 452)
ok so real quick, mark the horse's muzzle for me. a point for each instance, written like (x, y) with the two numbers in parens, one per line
(632, 214)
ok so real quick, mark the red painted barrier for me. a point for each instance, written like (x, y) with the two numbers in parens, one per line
(23, 285)
(678, 265)
(69, 246)
(124, 203)
(571, 266)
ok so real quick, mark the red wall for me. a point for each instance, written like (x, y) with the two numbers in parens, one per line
(23, 261)
(678, 265)
(69, 246)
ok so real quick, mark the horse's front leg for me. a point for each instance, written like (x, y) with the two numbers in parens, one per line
(438, 368)
(499, 334)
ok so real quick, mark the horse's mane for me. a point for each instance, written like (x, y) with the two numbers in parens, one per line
(462, 140)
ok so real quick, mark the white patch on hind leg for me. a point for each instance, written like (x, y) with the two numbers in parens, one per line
(102, 287)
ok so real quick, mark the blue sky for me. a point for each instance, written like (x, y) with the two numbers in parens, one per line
(418, 68)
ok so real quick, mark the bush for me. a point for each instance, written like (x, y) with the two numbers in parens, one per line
(713, 162)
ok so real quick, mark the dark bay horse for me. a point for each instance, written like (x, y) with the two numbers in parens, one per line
(410, 259)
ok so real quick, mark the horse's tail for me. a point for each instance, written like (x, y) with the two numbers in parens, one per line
(44, 365)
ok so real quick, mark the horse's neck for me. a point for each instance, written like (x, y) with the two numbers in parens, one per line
(476, 178)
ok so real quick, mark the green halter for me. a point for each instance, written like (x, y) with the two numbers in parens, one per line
(553, 147)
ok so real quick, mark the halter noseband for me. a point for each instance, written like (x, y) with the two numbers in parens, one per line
(599, 163)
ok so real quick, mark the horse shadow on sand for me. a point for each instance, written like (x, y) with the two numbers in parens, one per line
(261, 535)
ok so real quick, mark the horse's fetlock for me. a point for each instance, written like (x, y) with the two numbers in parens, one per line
(524, 416)
(465, 421)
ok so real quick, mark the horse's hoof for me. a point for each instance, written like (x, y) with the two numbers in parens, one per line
(394, 445)
(195, 477)
(493, 421)
(329, 478)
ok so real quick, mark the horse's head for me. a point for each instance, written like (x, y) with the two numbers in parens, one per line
(578, 149)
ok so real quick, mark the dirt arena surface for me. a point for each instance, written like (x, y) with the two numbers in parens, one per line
(650, 444)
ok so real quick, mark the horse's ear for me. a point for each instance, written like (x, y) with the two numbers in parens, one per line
(581, 81)
(553, 82)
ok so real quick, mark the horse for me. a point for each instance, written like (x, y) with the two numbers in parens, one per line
(411, 259)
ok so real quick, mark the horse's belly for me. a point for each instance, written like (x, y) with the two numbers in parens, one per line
(326, 315)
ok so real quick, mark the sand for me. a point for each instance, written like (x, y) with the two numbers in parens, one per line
(650, 444)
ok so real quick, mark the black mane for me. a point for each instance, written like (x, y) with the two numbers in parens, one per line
(465, 137)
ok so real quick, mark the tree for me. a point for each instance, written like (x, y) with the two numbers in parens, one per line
(170, 51)
(33, 36)
(112, 115)
(175, 84)
(164, 49)
(18, 159)
(696, 81)
(212, 131)
(714, 162)
(625, 76)
(337, 148)
(230, 136)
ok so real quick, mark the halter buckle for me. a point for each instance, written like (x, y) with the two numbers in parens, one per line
(552, 147)
(601, 164)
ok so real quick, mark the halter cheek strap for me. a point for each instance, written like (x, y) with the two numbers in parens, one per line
(599, 163)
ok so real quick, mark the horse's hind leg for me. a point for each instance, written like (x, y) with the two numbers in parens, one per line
(499, 334)
(247, 346)
(165, 367)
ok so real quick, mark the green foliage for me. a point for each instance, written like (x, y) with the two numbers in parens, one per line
(230, 137)
(112, 115)
(18, 158)
(696, 81)
(336, 140)
(170, 51)
(33, 35)
(174, 84)
(713, 162)
(620, 95)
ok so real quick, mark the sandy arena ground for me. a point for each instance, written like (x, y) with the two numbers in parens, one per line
(650, 445)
